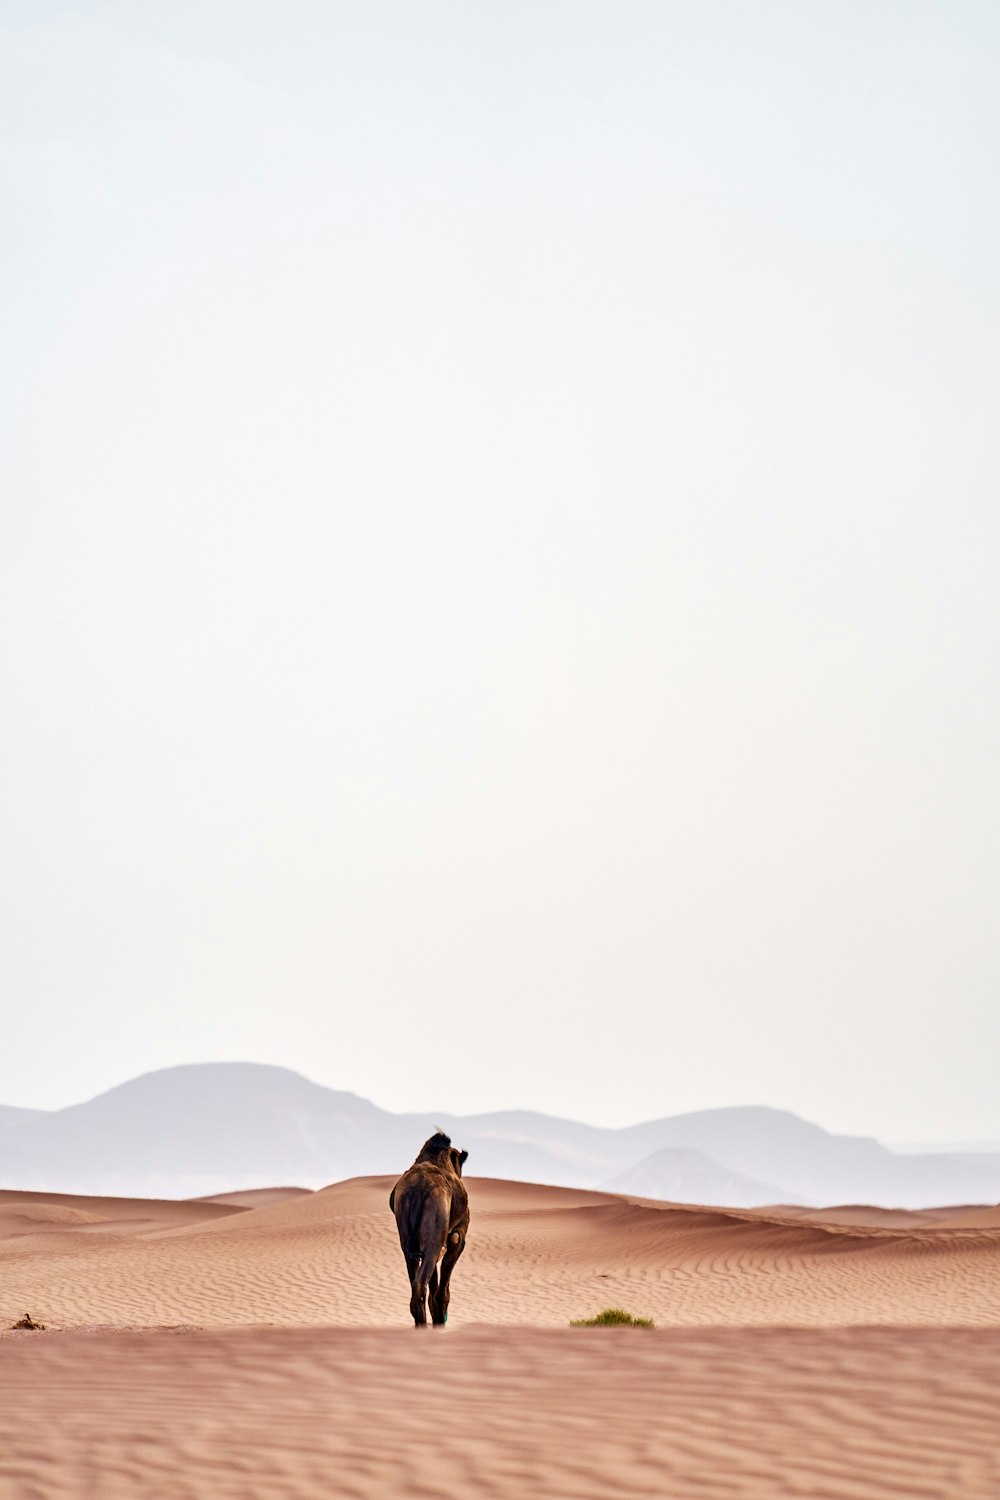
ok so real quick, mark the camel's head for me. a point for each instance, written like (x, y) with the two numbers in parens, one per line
(438, 1148)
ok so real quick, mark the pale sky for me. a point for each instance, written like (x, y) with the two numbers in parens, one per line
(499, 568)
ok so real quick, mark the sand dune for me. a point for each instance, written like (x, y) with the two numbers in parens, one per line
(537, 1255)
(157, 1378)
(255, 1197)
(868, 1216)
(39, 1213)
(973, 1217)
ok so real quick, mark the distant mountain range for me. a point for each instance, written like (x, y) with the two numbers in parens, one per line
(211, 1127)
(683, 1175)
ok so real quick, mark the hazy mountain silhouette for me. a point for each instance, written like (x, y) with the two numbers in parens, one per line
(813, 1165)
(682, 1175)
(11, 1114)
(210, 1121)
(211, 1127)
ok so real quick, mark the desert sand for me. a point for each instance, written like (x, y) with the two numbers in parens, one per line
(258, 1344)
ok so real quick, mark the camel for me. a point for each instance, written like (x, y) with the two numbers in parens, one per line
(432, 1216)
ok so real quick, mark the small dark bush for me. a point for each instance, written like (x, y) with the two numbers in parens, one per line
(27, 1322)
(613, 1317)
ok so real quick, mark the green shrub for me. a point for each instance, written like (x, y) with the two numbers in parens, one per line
(613, 1317)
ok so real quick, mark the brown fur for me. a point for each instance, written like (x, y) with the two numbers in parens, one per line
(432, 1217)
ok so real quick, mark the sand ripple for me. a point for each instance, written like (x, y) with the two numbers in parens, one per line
(710, 1414)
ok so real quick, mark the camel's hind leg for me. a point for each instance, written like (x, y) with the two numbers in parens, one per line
(422, 1281)
(439, 1302)
(425, 1248)
(418, 1292)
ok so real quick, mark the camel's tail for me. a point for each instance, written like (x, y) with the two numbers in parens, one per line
(422, 1233)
